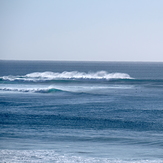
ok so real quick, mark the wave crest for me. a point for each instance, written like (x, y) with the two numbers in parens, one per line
(72, 75)
(32, 90)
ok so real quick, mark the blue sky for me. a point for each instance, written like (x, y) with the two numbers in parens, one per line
(81, 30)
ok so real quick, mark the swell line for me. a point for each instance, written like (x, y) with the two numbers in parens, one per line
(73, 75)
(76, 122)
(32, 90)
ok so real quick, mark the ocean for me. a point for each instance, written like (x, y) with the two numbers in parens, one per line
(85, 112)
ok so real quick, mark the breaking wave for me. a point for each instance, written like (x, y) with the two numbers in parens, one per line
(32, 90)
(53, 89)
(72, 75)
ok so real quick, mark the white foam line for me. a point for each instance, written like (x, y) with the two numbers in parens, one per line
(40, 156)
(36, 76)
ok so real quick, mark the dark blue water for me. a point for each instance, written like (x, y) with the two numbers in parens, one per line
(81, 111)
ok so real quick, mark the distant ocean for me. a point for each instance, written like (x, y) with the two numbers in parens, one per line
(85, 112)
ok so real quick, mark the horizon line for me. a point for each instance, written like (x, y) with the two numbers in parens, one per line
(37, 60)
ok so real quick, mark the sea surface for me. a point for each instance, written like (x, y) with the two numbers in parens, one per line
(85, 112)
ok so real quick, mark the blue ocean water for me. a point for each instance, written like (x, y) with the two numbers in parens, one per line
(67, 112)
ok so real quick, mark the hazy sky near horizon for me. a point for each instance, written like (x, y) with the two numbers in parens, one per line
(81, 30)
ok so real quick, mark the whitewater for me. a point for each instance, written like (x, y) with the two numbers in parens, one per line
(20, 83)
(43, 76)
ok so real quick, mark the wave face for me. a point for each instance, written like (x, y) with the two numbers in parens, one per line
(73, 75)
(32, 90)
(90, 88)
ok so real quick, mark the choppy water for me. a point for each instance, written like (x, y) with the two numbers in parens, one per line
(81, 112)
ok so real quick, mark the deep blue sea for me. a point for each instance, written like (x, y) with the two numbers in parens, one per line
(85, 112)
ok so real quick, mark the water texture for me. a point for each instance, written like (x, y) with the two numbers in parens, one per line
(81, 112)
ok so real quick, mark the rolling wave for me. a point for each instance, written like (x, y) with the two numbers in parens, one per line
(73, 75)
(52, 89)
(32, 90)
(82, 122)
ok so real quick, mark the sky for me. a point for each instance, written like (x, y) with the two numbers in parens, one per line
(81, 30)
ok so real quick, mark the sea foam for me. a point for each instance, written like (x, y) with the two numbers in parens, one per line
(40, 156)
(43, 76)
